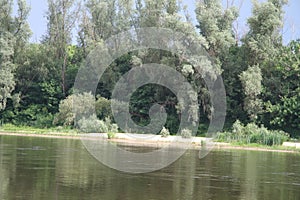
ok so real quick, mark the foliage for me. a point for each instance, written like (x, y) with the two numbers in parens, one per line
(251, 80)
(251, 133)
(263, 39)
(68, 112)
(14, 34)
(286, 113)
(215, 24)
(186, 133)
(260, 73)
(282, 91)
(164, 132)
(103, 108)
(93, 125)
(31, 130)
(111, 135)
(7, 81)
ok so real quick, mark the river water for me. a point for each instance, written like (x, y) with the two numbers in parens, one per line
(46, 168)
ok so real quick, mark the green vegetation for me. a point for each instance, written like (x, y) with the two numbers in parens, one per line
(186, 133)
(260, 73)
(10, 128)
(251, 133)
(111, 135)
(164, 132)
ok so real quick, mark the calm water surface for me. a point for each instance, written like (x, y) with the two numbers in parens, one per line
(42, 168)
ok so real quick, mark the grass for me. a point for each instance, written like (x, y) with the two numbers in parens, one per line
(61, 131)
(261, 146)
(10, 128)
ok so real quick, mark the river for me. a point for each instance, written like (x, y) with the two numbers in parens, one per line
(46, 168)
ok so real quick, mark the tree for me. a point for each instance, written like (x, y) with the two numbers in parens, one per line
(103, 19)
(22, 31)
(61, 16)
(215, 24)
(73, 108)
(251, 80)
(263, 40)
(7, 81)
(283, 97)
(14, 34)
(261, 45)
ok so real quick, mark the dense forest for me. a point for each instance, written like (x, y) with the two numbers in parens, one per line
(260, 73)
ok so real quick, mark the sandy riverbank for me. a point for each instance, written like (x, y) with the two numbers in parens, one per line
(157, 141)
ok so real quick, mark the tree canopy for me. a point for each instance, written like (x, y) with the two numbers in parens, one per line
(260, 73)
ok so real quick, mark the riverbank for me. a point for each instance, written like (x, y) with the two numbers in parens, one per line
(157, 141)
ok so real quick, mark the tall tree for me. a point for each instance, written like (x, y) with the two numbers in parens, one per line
(262, 44)
(14, 34)
(251, 80)
(102, 19)
(263, 40)
(215, 24)
(61, 16)
(283, 109)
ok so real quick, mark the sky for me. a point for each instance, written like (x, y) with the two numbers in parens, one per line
(291, 30)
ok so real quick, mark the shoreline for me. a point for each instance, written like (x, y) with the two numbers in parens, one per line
(157, 141)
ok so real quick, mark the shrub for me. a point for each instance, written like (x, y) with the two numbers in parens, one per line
(84, 106)
(164, 132)
(90, 125)
(94, 125)
(111, 135)
(111, 126)
(251, 133)
(237, 127)
(103, 107)
(186, 133)
(44, 120)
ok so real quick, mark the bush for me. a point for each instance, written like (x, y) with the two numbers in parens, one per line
(94, 125)
(90, 125)
(164, 132)
(251, 133)
(103, 108)
(186, 133)
(84, 106)
(111, 135)
(44, 120)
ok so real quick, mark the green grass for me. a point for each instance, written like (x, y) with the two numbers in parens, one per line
(61, 131)
(31, 130)
(274, 147)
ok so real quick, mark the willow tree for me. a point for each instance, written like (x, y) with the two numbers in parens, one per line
(261, 46)
(62, 17)
(101, 19)
(14, 34)
(264, 39)
(215, 24)
(7, 81)
(251, 80)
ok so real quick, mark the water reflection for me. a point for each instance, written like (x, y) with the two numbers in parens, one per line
(40, 168)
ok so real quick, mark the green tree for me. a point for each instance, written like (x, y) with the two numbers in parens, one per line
(251, 80)
(62, 16)
(7, 81)
(282, 96)
(263, 40)
(260, 47)
(74, 107)
(14, 35)
(216, 26)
